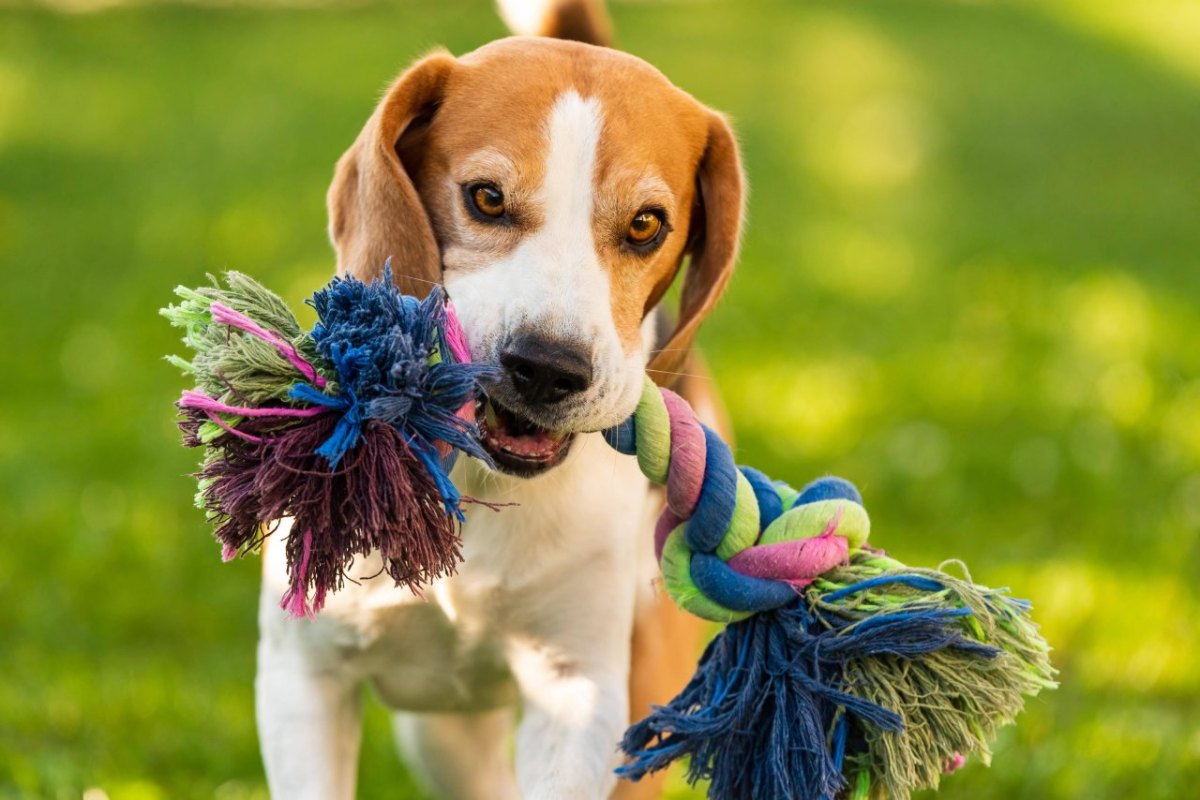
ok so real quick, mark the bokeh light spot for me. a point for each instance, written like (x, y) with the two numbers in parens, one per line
(1126, 392)
(1110, 315)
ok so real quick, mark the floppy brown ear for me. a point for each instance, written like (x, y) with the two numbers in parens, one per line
(713, 240)
(375, 212)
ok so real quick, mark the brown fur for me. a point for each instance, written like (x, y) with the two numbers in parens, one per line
(578, 20)
(374, 210)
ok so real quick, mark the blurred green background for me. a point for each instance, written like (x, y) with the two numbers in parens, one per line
(970, 284)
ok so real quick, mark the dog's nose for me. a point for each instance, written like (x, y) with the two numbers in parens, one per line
(544, 371)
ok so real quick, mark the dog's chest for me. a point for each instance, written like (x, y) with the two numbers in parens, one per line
(448, 650)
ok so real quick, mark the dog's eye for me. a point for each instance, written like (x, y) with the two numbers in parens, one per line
(486, 199)
(644, 227)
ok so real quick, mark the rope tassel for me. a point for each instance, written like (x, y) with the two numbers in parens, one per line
(342, 429)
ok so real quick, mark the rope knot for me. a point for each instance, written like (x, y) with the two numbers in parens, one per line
(731, 541)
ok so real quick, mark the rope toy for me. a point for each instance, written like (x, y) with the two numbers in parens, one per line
(841, 668)
(351, 429)
(841, 671)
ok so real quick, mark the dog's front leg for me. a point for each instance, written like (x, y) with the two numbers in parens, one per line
(309, 715)
(573, 673)
(572, 719)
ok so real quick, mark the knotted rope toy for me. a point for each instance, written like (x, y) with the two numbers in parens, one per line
(841, 672)
(841, 668)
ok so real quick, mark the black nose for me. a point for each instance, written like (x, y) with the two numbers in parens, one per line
(544, 371)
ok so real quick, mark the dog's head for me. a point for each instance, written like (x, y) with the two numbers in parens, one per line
(555, 188)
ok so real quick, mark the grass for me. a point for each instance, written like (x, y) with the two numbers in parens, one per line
(969, 284)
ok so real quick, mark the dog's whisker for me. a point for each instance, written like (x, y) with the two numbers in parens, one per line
(416, 278)
(683, 374)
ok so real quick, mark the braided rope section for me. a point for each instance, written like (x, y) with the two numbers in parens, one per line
(731, 542)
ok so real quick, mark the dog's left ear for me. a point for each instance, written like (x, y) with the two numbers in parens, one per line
(375, 212)
(713, 240)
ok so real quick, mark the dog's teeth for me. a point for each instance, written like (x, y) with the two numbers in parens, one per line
(489, 415)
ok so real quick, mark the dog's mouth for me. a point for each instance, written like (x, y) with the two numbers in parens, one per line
(518, 445)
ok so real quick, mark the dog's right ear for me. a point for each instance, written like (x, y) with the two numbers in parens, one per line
(375, 212)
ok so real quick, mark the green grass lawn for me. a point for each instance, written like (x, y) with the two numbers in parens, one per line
(970, 284)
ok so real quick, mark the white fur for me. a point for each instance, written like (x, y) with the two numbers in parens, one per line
(525, 17)
(541, 610)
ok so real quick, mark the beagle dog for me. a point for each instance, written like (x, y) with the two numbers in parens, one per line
(555, 188)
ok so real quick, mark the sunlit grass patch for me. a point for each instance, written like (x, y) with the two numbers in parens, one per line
(1168, 30)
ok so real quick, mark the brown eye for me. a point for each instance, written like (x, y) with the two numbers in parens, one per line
(644, 227)
(487, 199)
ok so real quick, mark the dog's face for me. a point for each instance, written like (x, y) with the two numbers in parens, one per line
(555, 189)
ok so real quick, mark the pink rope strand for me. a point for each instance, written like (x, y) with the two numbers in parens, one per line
(203, 402)
(456, 337)
(227, 316)
(220, 423)
(295, 599)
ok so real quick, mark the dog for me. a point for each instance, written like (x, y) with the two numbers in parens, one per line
(555, 187)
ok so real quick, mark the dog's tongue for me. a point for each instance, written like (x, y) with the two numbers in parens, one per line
(538, 445)
(519, 436)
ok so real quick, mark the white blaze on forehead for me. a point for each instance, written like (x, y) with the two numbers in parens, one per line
(573, 135)
(565, 289)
